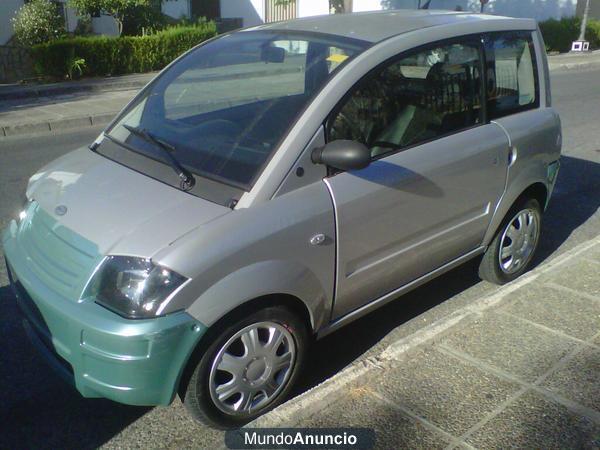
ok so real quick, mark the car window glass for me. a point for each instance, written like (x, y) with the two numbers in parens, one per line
(225, 106)
(237, 77)
(422, 96)
(512, 77)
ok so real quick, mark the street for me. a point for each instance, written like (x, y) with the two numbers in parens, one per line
(37, 410)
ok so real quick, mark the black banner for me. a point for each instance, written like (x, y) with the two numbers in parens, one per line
(301, 438)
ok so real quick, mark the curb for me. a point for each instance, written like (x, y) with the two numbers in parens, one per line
(574, 66)
(25, 92)
(314, 400)
(57, 125)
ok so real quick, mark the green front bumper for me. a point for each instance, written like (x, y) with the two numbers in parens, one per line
(137, 362)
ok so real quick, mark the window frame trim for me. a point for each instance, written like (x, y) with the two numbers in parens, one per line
(475, 38)
(528, 36)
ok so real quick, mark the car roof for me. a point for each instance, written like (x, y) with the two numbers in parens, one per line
(375, 26)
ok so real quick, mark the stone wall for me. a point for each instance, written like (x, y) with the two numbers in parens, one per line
(15, 64)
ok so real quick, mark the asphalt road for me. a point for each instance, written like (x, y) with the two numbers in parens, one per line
(37, 410)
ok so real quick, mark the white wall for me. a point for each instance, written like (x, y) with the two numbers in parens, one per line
(366, 5)
(8, 9)
(176, 8)
(308, 8)
(538, 9)
(251, 11)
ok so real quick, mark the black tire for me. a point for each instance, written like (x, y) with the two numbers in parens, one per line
(490, 268)
(196, 394)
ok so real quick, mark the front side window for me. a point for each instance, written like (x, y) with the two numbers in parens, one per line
(425, 95)
(512, 78)
(224, 107)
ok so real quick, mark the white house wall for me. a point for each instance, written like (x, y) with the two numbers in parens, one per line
(308, 8)
(251, 11)
(366, 5)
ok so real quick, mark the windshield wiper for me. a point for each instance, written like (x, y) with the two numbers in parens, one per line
(187, 179)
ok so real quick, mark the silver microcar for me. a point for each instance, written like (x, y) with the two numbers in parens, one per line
(273, 185)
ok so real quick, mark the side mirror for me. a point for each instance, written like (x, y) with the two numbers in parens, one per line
(272, 54)
(343, 155)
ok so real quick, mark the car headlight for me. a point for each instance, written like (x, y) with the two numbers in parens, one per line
(133, 287)
(24, 209)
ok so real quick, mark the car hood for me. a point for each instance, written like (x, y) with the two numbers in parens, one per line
(120, 210)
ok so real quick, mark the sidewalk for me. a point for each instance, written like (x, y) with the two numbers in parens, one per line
(519, 368)
(58, 106)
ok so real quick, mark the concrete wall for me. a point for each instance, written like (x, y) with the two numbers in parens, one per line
(8, 9)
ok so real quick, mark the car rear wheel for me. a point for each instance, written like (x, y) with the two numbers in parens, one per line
(248, 369)
(511, 252)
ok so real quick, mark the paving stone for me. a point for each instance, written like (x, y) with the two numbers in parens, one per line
(393, 429)
(579, 380)
(447, 392)
(582, 276)
(510, 344)
(533, 422)
(594, 253)
(563, 311)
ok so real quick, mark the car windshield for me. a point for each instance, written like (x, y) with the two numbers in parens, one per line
(225, 106)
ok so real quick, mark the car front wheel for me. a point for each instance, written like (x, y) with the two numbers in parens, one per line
(248, 369)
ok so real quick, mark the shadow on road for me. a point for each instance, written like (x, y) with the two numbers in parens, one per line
(38, 410)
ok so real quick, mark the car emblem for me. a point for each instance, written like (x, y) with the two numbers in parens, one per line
(60, 210)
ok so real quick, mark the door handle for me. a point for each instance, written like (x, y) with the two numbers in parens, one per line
(512, 155)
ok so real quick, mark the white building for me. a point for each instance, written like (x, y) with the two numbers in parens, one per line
(255, 12)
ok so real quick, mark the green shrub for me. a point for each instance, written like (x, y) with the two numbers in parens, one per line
(38, 21)
(119, 55)
(559, 34)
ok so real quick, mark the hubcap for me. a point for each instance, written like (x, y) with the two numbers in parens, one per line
(519, 241)
(252, 368)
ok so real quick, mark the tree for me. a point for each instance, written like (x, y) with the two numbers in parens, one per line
(38, 21)
(117, 9)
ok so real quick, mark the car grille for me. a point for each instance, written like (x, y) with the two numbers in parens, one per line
(60, 258)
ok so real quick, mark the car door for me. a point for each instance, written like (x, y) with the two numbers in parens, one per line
(437, 172)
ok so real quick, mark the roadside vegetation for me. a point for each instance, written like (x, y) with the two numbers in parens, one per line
(559, 34)
(147, 41)
(104, 55)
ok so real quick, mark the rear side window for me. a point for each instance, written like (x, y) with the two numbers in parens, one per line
(512, 78)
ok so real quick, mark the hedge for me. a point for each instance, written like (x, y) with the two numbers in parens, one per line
(119, 55)
(559, 34)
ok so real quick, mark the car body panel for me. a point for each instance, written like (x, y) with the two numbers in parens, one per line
(535, 139)
(376, 26)
(413, 211)
(137, 362)
(257, 251)
(120, 210)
